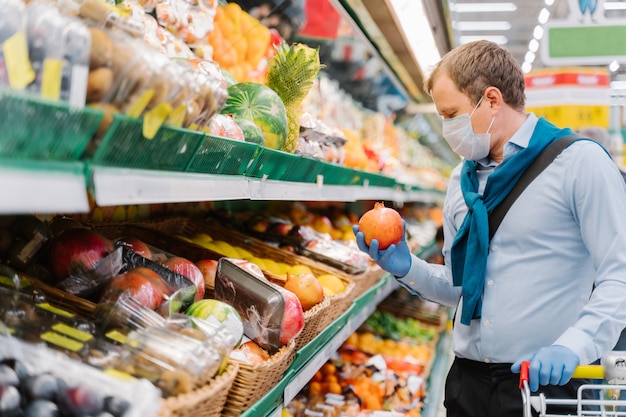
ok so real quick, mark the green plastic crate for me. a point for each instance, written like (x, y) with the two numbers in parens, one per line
(35, 129)
(272, 164)
(217, 155)
(124, 145)
(339, 175)
(305, 170)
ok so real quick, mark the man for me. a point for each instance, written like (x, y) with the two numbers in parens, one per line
(527, 293)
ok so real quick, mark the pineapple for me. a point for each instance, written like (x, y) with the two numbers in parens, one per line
(291, 74)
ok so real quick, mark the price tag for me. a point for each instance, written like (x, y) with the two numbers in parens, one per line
(51, 78)
(139, 105)
(19, 69)
(62, 341)
(55, 310)
(177, 116)
(119, 375)
(154, 119)
(72, 332)
(116, 336)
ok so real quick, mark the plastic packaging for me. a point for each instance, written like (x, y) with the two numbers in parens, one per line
(173, 361)
(272, 316)
(12, 23)
(80, 388)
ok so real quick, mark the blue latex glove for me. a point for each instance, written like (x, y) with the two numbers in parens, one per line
(396, 259)
(552, 365)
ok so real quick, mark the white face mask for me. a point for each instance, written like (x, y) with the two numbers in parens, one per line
(459, 134)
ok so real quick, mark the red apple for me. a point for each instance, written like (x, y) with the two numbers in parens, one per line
(188, 269)
(208, 267)
(136, 245)
(142, 283)
(77, 249)
(293, 318)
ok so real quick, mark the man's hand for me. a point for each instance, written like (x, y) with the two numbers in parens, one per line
(396, 259)
(552, 365)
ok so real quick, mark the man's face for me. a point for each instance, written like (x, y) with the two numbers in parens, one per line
(450, 102)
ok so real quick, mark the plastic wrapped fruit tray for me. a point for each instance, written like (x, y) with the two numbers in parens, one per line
(204, 401)
(187, 227)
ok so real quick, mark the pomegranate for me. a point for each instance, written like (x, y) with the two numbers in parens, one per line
(307, 288)
(253, 352)
(136, 245)
(75, 250)
(142, 283)
(188, 269)
(383, 224)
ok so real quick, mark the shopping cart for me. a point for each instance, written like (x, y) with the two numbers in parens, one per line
(606, 400)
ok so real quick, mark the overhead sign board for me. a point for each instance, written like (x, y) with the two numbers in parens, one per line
(586, 37)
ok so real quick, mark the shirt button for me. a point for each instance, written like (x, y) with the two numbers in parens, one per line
(412, 282)
(486, 323)
(490, 282)
(494, 248)
(487, 360)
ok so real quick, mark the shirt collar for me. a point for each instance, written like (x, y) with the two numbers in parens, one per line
(518, 141)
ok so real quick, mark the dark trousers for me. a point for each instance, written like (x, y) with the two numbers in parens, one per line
(477, 389)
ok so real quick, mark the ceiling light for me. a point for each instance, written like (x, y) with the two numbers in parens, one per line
(482, 25)
(544, 15)
(614, 5)
(526, 67)
(529, 57)
(483, 7)
(533, 45)
(500, 40)
(549, 2)
(538, 32)
(416, 27)
(614, 66)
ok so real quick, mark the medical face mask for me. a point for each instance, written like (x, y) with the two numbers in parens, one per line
(459, 134)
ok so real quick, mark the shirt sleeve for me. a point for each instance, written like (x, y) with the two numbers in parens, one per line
(598, 201)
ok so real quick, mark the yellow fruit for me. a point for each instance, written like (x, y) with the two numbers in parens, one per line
(259, 262)
(272, 266)
(332, 283)
(202, 236)
(299, 269)
(244, 253)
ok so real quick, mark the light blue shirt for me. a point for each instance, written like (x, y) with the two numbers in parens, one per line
(564, 234)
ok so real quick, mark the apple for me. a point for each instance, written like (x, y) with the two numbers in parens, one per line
(142, 283)
(136, 245)
(253, 352)
(208, 267)
(307, 288)
(293, 318)
(188, 269)
(77, 249)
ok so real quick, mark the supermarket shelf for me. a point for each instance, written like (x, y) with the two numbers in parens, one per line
(312, 356)
(50, 187)
(120, 186)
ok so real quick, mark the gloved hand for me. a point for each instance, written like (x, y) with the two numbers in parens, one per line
(552, 365)
(396, 259)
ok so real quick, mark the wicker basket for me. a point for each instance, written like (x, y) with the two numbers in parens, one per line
(367, 279)
(65, 300)
(205, 401)
(314, 322)
(253, 381)
(185, 226)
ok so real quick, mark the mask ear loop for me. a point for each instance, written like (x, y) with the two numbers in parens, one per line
(477, 104)
(493, 119)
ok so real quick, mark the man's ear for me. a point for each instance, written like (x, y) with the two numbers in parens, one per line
(493, 96)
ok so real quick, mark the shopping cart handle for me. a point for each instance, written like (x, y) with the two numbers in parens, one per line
(523, 374)
(589, 372)
(582, 371)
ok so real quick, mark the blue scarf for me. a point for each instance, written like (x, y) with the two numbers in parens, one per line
(471, 244)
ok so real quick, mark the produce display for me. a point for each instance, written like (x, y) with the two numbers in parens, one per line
(382, 367)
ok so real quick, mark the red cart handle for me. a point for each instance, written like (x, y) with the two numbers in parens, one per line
(523, 374)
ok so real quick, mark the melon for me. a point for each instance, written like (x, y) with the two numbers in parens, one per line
(261, 105)
(220, 314)
(251, 132)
